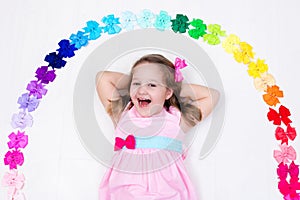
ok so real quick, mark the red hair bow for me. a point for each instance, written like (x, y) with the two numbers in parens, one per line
(282, 115)
(284, 136)
(129, 142)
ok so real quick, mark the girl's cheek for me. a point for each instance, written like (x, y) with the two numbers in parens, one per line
(133, 89)
(132, 92)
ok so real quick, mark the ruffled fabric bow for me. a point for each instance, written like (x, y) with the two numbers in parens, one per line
(284, 136)
(286, 154)
(129, 142)
(14, 181)
(179, 64)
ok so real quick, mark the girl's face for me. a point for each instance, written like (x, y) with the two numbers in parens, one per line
(148, 91)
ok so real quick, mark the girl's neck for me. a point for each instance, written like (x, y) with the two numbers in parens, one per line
(137, 114)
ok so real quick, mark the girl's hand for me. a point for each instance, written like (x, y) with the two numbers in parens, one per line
(202, 97)
(109, 84)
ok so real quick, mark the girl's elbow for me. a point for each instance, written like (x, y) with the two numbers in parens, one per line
(214, 96)
(98, 75)
(101, 76)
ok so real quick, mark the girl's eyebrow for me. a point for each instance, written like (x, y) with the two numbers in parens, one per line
(151, 80)
(156, 82)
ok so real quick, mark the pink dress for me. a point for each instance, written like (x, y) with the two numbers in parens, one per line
(154, 169)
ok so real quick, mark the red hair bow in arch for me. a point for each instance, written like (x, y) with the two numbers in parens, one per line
(277, 117)
(284, 136)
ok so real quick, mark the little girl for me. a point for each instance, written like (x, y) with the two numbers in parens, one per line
(152, 110)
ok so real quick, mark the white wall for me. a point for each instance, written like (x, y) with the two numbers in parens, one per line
(56, 164)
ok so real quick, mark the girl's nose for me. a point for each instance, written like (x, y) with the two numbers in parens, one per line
(142, 89)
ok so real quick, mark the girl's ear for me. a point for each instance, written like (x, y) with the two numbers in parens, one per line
(169, 93)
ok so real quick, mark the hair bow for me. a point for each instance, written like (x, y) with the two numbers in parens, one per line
(283, 170)
(296, 197)
(277, 117)
(14, 181)
(286, 154)
(129, 142)
(289, 189)
(179, 64)
(284, 136)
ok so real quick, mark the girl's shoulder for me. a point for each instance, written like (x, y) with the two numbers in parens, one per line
(176, 116)
(184, 126)
(175, 112)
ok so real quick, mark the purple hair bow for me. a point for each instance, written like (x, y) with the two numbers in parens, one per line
(179, 64)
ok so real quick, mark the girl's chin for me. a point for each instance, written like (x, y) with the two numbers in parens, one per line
(148, 111)
(144, 112)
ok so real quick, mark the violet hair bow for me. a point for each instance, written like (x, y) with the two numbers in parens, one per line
(179, 64)
(129, 142)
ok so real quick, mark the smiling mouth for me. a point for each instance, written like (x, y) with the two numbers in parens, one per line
(143, 102)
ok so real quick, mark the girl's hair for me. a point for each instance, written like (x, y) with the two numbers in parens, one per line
(190, 113)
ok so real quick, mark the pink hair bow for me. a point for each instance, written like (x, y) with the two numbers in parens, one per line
(14, 181)
(286, 154)
(179, 64)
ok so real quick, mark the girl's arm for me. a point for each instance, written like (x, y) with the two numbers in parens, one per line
(108, 86)
(202, 97)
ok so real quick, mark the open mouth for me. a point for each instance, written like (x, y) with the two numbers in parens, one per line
(143, 102)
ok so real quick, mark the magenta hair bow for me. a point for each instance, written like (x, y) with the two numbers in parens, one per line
(129, 142)
(179, 64)
(288, 197)
(289, 190)
(283, 170)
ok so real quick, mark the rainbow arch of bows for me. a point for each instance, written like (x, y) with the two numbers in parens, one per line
(212, 34)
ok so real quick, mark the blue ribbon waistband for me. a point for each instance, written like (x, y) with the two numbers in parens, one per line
(158, 142)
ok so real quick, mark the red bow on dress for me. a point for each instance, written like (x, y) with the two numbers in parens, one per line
(129, 142)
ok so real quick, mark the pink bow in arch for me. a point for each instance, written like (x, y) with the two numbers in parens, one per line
(129, 142)
(179, 64)
(286, 154)
(14, 181)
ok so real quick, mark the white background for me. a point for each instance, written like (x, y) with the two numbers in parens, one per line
(56, 164)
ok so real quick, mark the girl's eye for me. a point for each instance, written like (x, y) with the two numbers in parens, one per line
(151, 85)
(135, 83)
